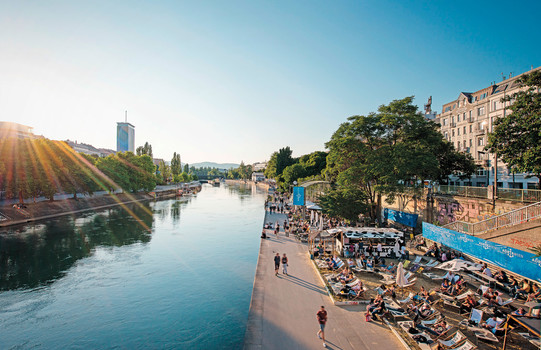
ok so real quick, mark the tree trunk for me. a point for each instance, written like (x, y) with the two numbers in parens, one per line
(21, 198)
(539, 181)
(75, 195)
(378, 208)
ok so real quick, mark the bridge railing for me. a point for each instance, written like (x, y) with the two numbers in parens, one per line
(510, 194)
(515, 217)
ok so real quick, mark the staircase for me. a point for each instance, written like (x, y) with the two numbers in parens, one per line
(512, 218)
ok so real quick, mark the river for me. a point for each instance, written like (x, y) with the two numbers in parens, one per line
(161, 275)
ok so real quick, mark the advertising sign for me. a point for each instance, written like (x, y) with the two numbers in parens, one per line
(401, 217)
(515, 260)
(298, 195)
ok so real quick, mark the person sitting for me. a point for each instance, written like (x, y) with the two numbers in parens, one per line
(468, 304)
(519, 312)
(437, 329)
(501, 277)
(535, 294)
(523, 291)
(486, 270)
(356, 290)
(445, 287)
(391, 268)
(390, 292)
(351, 263)
(496, 299)
(493, 324)
(378, 308)
(370, 263)
(263, 234)
(450, 276)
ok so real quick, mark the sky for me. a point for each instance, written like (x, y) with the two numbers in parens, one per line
(232, 81)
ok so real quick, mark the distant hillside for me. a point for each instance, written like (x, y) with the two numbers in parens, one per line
(215, 165)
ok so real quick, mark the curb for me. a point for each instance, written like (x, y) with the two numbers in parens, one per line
(398, 336)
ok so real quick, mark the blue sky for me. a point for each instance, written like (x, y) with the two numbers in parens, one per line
(228, 81)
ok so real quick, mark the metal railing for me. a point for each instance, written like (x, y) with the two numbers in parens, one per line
(508, 194)
(464, 191)
(515, 217)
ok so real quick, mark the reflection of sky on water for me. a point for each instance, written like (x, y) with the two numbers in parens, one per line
(102, 281)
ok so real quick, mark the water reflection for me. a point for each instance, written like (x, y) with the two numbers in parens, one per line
(38, 254)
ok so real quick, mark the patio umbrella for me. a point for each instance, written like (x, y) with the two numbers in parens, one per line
(458, 265)
(401, 279)
(321, 223)
(311, 216)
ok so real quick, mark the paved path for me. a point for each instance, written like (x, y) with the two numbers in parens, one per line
(283, 309)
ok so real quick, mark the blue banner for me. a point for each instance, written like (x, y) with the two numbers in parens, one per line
(298, 195)
(517, 261)
(401, 217)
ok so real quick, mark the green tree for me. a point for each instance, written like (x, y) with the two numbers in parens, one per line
(344, 203)
(293, 173)
(165, 171)
(186, 168)
(146, 149)
(516, 138)
(176, 165)
(384, 152)
(278, 162)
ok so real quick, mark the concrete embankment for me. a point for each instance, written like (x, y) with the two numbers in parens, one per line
(283, 308)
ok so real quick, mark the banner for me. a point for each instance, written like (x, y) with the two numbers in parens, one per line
(298, 195)
(517, 261)
(401, 217)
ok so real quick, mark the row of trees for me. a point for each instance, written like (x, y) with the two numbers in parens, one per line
(41, 167)
(285, 169)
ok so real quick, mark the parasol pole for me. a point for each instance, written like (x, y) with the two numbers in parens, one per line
(506, 328)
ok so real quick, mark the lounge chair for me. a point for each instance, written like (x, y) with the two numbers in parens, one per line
(433, 276)
(406, 263)
(453, 339)
(407, 300)
(467, 345)
(476, 316)
(417, 260)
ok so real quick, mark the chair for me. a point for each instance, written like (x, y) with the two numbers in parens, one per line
(417, 260)
(433, 276)
(452, 340)
(432, 321)
(407, 300)
(406, 263)
(476, 316)
(467, 345)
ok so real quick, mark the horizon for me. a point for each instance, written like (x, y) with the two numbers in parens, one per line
(237, 81)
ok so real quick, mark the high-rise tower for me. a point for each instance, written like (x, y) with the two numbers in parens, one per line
(125, 136)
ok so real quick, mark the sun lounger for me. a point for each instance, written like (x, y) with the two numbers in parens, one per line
(452, 340)
(417, 260)
(406, 264)
(534, 340)
(407, 300)
(467, 345)
(431, 321)
(433, 276)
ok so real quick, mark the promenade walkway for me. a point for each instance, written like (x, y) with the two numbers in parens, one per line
(283, 309)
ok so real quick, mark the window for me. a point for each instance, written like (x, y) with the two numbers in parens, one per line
(453, 132)
(452, 119)
(471, 128)
(446, 134)
(458, 131)
(447, 109)
(444, 122)
(464, 144)
(470, 117)
(480, 141)
(457, 118)
(494, 105)
(481, 111)
(483, 96)
(464, 130)
(458, 145)
(471, 143)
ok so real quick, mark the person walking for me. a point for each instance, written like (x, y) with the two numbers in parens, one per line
(322, 320)
(276, 264)
(284, 264)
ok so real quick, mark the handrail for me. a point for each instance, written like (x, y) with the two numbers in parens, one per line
(515, 217)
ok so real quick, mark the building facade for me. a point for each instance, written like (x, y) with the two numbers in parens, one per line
(15, 130)
(467, 121)
(125, 137)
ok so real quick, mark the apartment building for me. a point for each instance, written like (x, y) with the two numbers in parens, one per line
(468, 120)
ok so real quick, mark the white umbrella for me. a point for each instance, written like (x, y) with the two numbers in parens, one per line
(396, 248)
(321, 223)
(458, 265)
(311, 216)
(401, 280)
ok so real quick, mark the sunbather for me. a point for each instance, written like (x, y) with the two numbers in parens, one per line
(437, 329)
(468, 304)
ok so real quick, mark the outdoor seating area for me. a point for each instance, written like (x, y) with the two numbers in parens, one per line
(435, 305)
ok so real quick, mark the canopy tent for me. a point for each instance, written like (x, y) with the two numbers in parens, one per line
(324, 238)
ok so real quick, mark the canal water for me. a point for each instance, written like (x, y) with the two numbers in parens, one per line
(162, 275)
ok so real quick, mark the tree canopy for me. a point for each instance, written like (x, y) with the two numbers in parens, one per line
(388, 150)
(516, 138)
(146, 149)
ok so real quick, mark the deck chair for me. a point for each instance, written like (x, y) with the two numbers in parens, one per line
(467, 345)
(417, 260)
(434, 263)
(453, 339)
(406, 263)
(415, 267)
(433, 276)
(431, 321)
(407, 300)
(476, 316)
(431, 261)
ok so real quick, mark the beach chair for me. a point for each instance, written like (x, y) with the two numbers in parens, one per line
(432, 321)
(406, 325)
(453, 339)
(467, 345)
(406, 263)
(407, 300)
(433, 276)
(417, 260)
(476, 316)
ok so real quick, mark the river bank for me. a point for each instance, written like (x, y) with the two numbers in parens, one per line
(30, 212)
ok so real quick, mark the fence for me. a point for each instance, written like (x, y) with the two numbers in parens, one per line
(509, 194)
(511, 218)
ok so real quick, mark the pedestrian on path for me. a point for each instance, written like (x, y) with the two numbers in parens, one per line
(284, 264)
(322, 320)
(276, 264)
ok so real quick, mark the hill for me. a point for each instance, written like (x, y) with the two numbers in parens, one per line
(215, 165)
